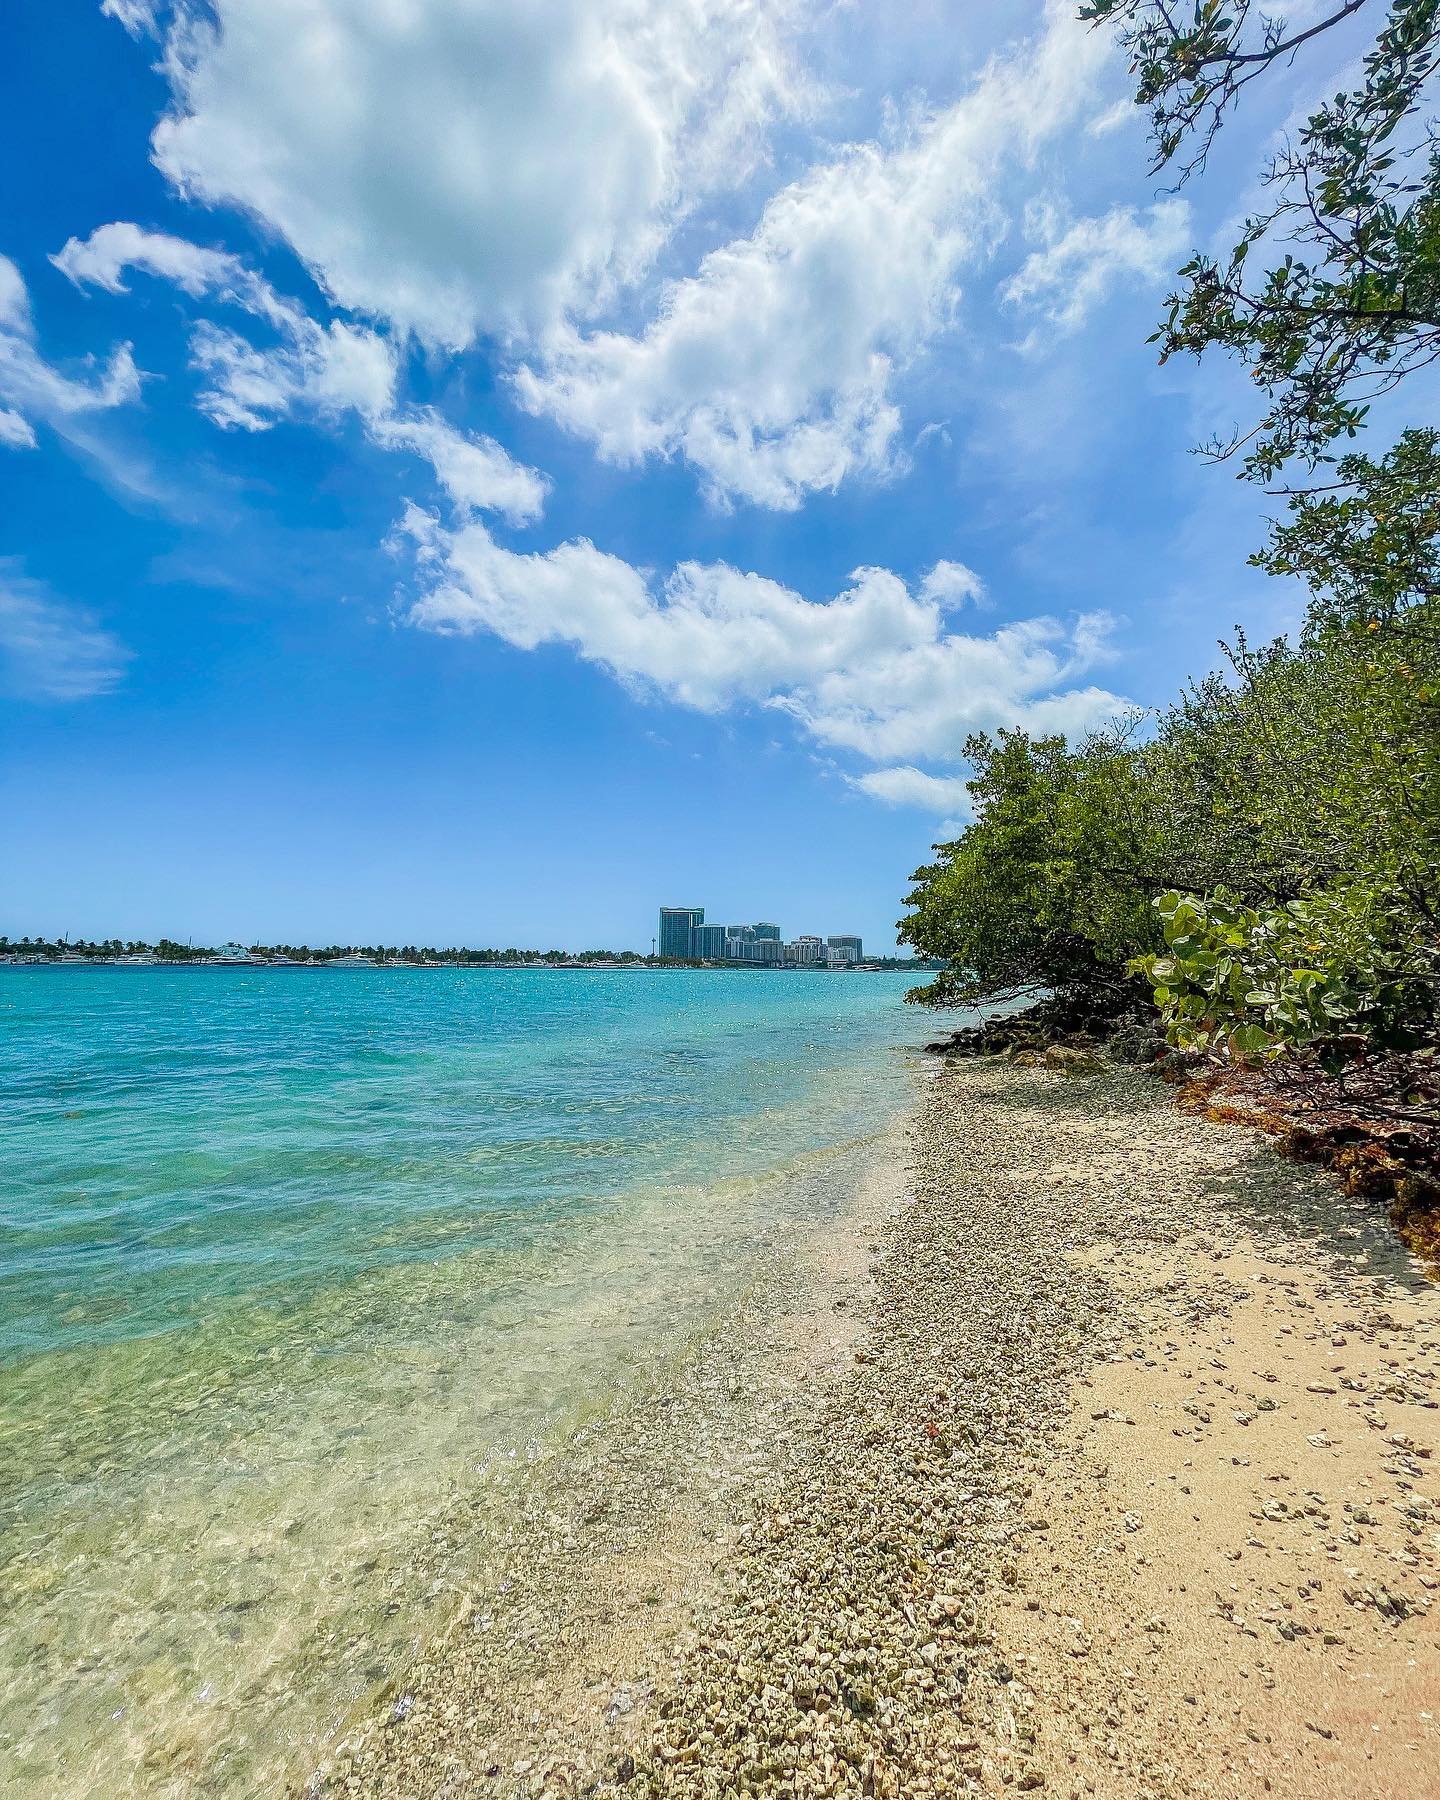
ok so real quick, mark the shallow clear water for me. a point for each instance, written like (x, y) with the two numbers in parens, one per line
(294, 1263)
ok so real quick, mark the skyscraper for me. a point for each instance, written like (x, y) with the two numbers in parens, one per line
(848, 949)
(770, 932)
(676, 925)
(707, 941)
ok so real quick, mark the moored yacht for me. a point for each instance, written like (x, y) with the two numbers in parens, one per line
(230, 954)
(351, 962)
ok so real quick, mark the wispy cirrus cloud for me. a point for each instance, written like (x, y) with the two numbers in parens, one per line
(308, 368)
(49, 649)
(136, 16)
(1078, 266)
(32, 388)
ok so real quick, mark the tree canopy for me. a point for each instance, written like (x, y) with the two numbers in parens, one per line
(1331, 292)
(1264, 853)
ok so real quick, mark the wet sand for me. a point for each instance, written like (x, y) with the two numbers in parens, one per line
(1108, 1471)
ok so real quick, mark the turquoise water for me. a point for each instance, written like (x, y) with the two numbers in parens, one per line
(290, 1259)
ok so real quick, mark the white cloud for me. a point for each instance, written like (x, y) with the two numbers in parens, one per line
(472, 166)
(50, 650)
(1076, 269)
(873, 670)
(136, 16)
(14, 301)
(16, 433)
(948, 795)
(32, 388)
(772, 369)
(1123, 112)
(475, 472)
(111, 251)
(951, 584)
(331, 369)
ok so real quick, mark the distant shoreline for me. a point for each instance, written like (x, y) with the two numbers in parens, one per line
(577, 967)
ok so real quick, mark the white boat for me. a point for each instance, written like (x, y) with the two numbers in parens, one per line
(231, 954)
(351, 962)
(142, 959)
(71, 956)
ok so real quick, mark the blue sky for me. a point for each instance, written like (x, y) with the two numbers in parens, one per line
(474, 473)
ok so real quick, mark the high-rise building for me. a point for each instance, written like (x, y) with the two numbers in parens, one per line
(686, 937)
(677, 923)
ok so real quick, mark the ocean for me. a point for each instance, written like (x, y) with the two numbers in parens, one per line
(294, 1261)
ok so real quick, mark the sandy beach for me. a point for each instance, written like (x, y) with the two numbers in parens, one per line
(1092, 1454)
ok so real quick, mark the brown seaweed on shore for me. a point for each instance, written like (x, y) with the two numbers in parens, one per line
(1377, 1126)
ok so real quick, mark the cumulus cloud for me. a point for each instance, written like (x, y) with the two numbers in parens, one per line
(1076, 268)
(472, 166)
(330, 369)
(32, 388)
(873, 670)
(951, 584)
(50, 650)
(948, 795)
(771, 370)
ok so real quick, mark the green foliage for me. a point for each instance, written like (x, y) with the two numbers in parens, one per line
(1332, 291)
(1300, 797)
(1345, 973)
(1266, 851)
(1048, 887)
(1369, 542)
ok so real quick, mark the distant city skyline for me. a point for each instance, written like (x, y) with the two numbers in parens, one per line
(770, 436)
(685, 935)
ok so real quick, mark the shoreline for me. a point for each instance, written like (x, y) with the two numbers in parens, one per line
(619, 1536)
(1121, 1485)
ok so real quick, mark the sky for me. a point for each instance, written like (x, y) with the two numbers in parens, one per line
(474, 472)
